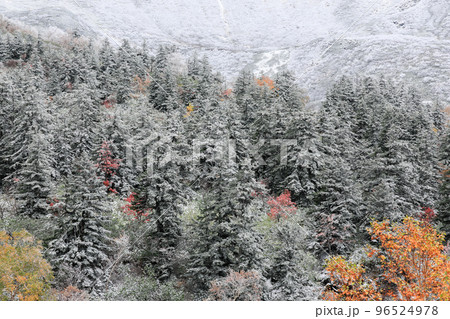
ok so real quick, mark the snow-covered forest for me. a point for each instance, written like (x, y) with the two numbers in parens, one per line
(131, 176)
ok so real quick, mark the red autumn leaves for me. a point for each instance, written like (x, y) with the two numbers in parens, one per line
(107, 165)
(281, 206)
(427, 215)
(108, 103)
(130, 209)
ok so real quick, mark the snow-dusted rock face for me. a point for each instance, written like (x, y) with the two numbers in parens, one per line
(317, 39)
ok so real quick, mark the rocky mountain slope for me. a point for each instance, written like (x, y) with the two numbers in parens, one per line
(317, 39)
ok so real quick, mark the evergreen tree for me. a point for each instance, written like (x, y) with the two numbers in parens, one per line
(296, 171)
(278, 127)
(163, 94)
(303, 161)
(143, 60)
(392, 188)
(444, 201)
(337, 198)
(16, 47)
(4, 49)
(107, 67)
(291, 270)
(24, 118)
(127, 69)
(10, 101)
(200, 85)
(80, 253)
(246, 94)
(34, 180)
(225, 237)
(160, 194)
(78, 127)
(116, 133)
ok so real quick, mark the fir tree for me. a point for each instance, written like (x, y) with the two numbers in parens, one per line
(160, 194)
(19, 144)
(107, 67)
(337, 198)
(200, 85)
(78, 126)
(291, 269)
(225, 237)
(126, 61)
(80, 254)
(34, 180)
(163, 95)
(444, 201)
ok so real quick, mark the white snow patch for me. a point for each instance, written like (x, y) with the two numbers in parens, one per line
(224, 19)
(271, 62)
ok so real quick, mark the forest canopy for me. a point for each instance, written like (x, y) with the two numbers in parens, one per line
(126, 177)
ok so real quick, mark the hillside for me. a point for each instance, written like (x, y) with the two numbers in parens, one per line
(318, 39)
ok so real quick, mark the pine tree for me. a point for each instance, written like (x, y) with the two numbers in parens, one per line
(225, 237)
(291, 269)
(27, 156)
(80, 254)
(337, 200)
(444, 200)
(78, 127)
(34, 180)
(107, 67)
(163, 94)
(160, 194)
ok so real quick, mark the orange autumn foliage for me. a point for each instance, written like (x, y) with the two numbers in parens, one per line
(265, 81)
(411, 260)
(24, 274)
(413, 249)
(351, 282)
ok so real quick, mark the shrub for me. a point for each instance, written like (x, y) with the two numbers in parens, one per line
(237, 286)
(24, 273)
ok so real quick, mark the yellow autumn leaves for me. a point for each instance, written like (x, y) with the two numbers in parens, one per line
(24, 273)
(189, 110)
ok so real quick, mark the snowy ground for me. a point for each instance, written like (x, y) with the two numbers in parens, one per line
(318, 39)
